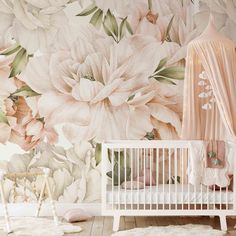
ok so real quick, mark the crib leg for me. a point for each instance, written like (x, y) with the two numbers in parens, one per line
(223, 222)
(116, 223)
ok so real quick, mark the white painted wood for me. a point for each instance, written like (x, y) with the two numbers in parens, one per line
(125, 202)
(223, 223)
(116, 222)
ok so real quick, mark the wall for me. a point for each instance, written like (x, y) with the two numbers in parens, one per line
(75, 73)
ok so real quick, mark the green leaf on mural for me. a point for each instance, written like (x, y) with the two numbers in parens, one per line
(162, 63)
(167, 33)
(111, 23)
(173, 180)
(167, 74)
(128, 27)
(98, 153)
(120, 174)
(3, 118)
(19, 62)
(164, 80)
(96, 19)
(149, 4)
(24, 91)
(122, 28)
(89, 10)
(131, 97)
(14, 48)
(150, 136)
(173, 72)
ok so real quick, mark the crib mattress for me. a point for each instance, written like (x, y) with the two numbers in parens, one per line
(166, 194)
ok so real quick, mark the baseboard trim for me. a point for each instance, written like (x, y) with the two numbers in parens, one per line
(29, 209)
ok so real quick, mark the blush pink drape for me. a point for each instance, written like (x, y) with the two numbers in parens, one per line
(214, 54)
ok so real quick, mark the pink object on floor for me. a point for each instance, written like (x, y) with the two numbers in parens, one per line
(76, 215)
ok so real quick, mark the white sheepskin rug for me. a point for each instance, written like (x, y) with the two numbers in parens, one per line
(33, 226)
(172, 230)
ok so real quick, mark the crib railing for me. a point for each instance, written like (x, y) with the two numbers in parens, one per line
(152, 177)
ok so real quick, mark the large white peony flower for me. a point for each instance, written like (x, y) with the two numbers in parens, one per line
(164, 20)
(89, 84)
(33, 24)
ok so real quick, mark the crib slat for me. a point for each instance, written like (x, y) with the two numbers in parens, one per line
(169, 165)
(144, 169)
(185, 155)
(227, 203)
(119, 178)
(207, 198)
(125, 163)
(157, 177)
(112, 178)
(163, 177)
(138, 176)
(176, 177)
(220, 198)
(214, 189)
(132, 182)
(201, 198)
(182, 176)
(151, 159)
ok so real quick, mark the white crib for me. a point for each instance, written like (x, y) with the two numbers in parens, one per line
(168, 191)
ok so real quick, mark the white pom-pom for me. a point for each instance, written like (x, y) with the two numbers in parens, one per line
(206, 106)
(203, 95)
(201, 83)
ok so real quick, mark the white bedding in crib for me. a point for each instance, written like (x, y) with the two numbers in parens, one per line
(168, 194)
(197, 171)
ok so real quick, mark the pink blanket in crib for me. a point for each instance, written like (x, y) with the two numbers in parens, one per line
(215, 156)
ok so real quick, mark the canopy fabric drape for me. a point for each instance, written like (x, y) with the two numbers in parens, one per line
(209, 111)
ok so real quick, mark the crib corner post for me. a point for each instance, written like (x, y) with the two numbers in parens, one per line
(116, 222)
(223, 223)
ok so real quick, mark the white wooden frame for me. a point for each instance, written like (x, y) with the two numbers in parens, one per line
(110, 209)
(45, 186)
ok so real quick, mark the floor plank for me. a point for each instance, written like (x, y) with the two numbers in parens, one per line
(97, 228)
(107, 228)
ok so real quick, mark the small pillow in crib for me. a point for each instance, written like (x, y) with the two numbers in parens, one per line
(132, 185)
(76, 215)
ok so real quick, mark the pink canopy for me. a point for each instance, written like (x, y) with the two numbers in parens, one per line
(209, 111)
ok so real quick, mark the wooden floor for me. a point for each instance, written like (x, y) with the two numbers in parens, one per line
(102, 226)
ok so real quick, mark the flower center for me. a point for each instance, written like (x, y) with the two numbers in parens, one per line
(152, 18)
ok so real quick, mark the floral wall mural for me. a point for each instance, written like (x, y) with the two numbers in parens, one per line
(91, 71)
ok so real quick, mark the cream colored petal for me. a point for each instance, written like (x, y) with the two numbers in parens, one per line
(86, 90)
(5, 132)
(62, 179)
(36, 74)
(106, 91)
(59, 66)
(82, 188)
(93, 192)
(82, 148)
(34, 127)
(19, 163)
(63, 109)
(165, 115)
(70, 193)
(139, 123)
